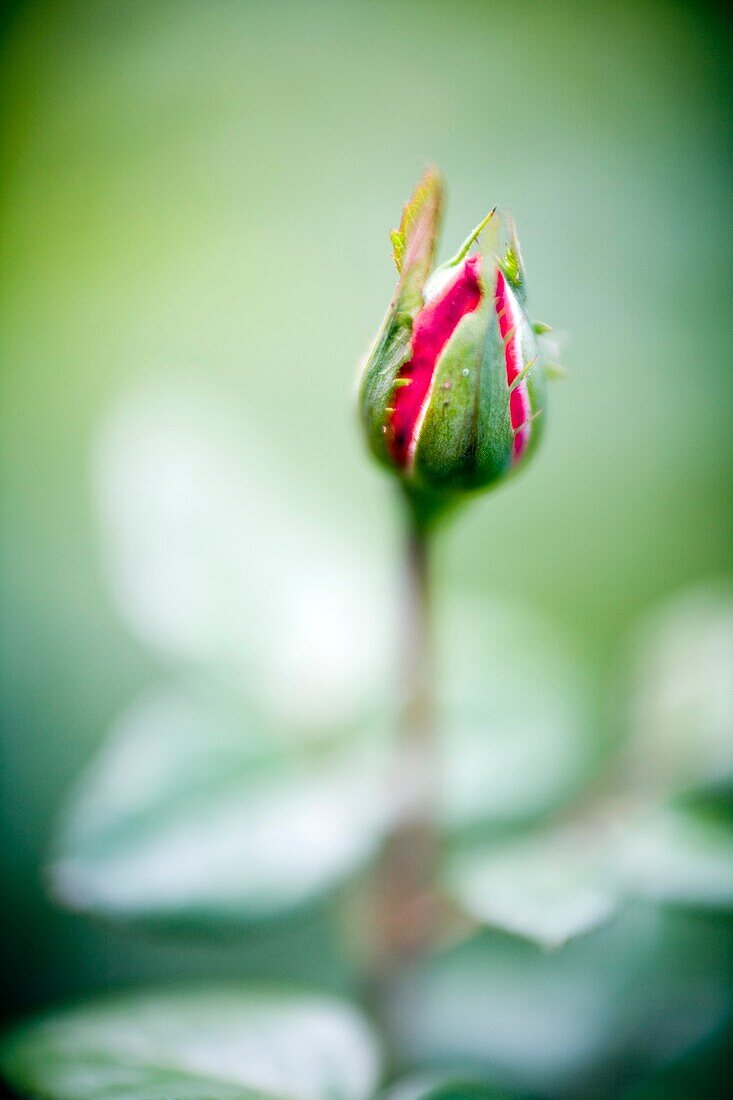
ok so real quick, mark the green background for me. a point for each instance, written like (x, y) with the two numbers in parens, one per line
(202, 193)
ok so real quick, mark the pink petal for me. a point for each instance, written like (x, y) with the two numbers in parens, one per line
(433, 327)
(509, 315)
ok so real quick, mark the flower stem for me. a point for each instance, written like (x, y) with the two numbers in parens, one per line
(405, 915)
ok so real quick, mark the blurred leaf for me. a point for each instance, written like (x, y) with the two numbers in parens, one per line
(446, 1087)
(191, 817)
(680, 854)
(547, 886)
(575, 1021)
(554, 882)
(512, 695)
(682, 712)
(208, 1044)
(559, 881)
(210, 561)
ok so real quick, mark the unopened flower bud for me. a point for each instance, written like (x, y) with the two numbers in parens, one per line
(452, 392)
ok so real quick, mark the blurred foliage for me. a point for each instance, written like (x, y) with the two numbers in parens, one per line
(192, 819)
(583, 1021)
(196, 554)
(198, 1044)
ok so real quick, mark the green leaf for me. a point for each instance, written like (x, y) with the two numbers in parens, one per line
(463, 1090)
(548, 886)
(442, 1087)
(282, 595)
(555, 882)
(231, 1043)
(636, 993)
(682, 710)
(512, 694)
(681, 855)
(551, 882)
(191, 817)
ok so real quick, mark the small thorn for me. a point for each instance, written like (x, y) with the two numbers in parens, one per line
(526, 423)
(540, 328)
(400, 382)
(519, 378)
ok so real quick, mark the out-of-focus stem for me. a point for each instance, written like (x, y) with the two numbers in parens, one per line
(405, 879)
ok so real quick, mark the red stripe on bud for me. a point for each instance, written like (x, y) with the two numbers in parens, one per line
(432, 328)
(509, 316)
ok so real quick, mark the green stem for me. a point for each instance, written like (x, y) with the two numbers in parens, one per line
(417, 727)
(405, 903)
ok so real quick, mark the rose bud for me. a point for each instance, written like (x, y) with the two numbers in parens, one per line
(452, 392)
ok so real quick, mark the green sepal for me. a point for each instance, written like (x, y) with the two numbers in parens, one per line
(510, 258)
(445, 452)
(499, 244)
(463, 251)
(500, 247)
(414, 246)
(536, 387)
(494, 437)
